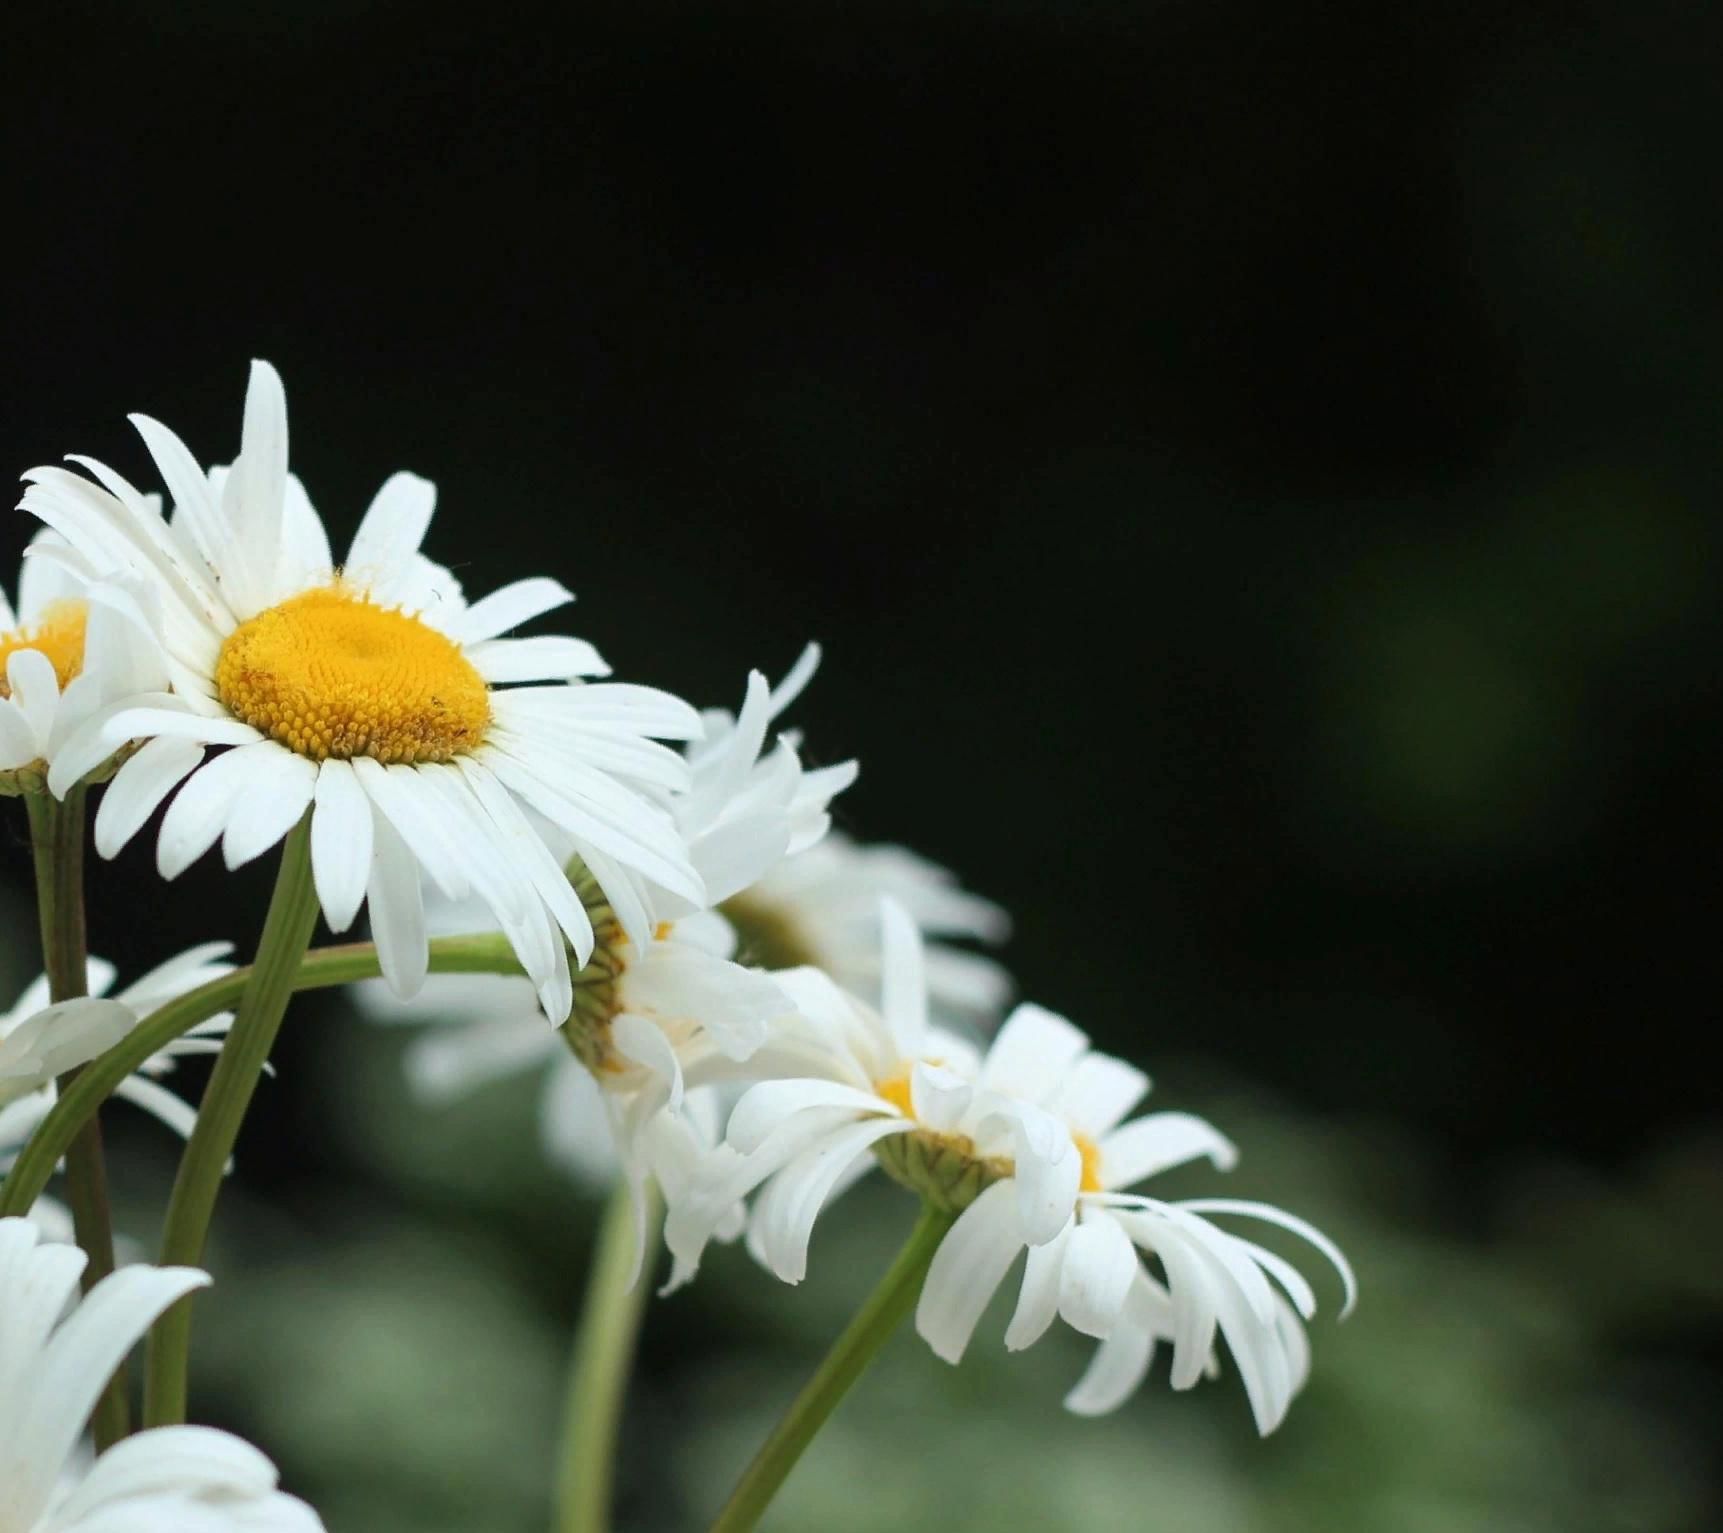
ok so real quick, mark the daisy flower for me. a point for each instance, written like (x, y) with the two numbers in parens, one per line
(71, 650)
(1025, 1146)
(885, 1087)
(820, 909)
(39, 1042)
(621, 1088)
(56, 1355)
(372, 694)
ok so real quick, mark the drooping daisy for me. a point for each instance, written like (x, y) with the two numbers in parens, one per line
(374, 695)
(39, 1042)
(886, 1087)
(1090, 1274)
(72, 649)
(820, 909)
(1025, 1147)
(56, 1355)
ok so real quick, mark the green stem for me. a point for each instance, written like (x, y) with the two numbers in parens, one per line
(323, 969)
(57, 842)
(874, 1322)
(603, 1358)
(281, 950)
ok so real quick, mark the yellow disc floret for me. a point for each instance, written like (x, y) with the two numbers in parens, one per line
(331, 674)
(58, 633)
(1091, 1153)
(895, 1089)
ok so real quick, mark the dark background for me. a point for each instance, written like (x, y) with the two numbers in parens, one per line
(1251, 466)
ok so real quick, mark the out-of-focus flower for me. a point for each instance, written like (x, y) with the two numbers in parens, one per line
(820, 909)
(56, 1355)
(39, 1042)
(374, 695)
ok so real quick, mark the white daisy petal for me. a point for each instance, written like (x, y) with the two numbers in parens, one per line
(903, 999)
(790, 1205)
(396, 904)
(392, 528)
(1032, 1052)
(967, 1270)
(34, 688)
(18, 745)
(1119, 1366)
(508, 608)
(1038, 1299)
(139, 787)
(340, 843)
(1100, 1265)
(200, 811)
(1300, 1227)
(547, 658)
(1147, 1146)
(1098, 1092)
(764, 1107)
(85, 1350)
(269, 807)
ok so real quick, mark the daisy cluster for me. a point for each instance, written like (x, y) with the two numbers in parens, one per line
(727, 1000)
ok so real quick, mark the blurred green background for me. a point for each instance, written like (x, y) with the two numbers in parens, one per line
(1253, 469)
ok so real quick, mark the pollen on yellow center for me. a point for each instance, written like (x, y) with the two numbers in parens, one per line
(1091, 1153)
(329, 674)
(58, 633)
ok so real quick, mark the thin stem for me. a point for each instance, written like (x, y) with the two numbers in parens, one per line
(281, 950)
(323, 969)
(850, 1354)
(57, 842)
(603, 1358)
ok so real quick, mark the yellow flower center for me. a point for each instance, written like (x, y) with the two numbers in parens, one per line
(896, 1091)
(328, 673)
(1091, 1153)
(58, 633)
(945, 1168)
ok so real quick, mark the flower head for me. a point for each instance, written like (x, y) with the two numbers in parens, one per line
(1028, 1147)
(73, 648)
(375, 696)
(56, 1354)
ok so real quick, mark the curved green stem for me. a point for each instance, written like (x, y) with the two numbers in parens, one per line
(603, 1357)
(281, 949)
(873, 1324)
(57, 842)
(323, 969)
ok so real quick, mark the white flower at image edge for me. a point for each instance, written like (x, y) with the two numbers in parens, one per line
(373, 694)
(39, 1042)
(1028, 1146)
(56, 1355)
(70, 652)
